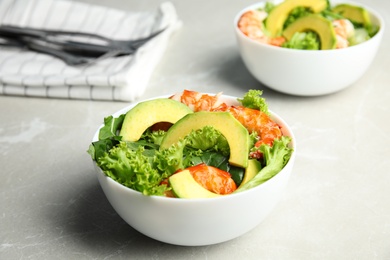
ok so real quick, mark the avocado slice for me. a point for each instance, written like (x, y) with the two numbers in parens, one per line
(185, 186)
(355, 14)
(316, 23)
(278, 16)
(254, 166)
(147, 113)
(234, 132)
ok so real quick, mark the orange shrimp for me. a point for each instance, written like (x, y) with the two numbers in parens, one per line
(251, 24)
(213, 179)
(344, 30)
(198, 101)
(277, 41)
(254, 120)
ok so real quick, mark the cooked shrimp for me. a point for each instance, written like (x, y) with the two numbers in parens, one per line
(198, 101)
(254, 120)
(213, 179)
(277, 41)
(251, 24)
(344, 30)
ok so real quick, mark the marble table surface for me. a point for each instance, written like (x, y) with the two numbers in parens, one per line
(336, 205)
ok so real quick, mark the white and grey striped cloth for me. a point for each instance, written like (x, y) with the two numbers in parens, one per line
(125, 78)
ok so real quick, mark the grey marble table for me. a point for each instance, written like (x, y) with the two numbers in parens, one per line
(336, 206)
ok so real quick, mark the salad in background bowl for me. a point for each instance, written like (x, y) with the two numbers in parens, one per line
(308, 48)
(184, 171)
(308, 24)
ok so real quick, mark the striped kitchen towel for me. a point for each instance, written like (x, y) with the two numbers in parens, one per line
(124, 78)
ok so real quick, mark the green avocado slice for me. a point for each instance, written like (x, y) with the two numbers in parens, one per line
(147, 113)
(234, 132)
(316, 23)
(355, 14)
(254, 167)
(278, 16)
(185, 186)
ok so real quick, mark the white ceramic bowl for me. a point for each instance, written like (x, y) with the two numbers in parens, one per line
(196, 222)
(305, 72)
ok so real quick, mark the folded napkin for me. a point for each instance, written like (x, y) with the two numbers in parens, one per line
(124, 78)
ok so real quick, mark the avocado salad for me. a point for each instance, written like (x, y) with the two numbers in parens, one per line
(163, 147)
(308, 25)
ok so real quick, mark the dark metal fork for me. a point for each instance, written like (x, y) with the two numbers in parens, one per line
(62, 38)
(69, 58)
(73, 52)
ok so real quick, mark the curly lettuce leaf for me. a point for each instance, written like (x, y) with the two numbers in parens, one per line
(275, 158)
(171, 159)
(253, 99)
(154, 137)
(133, 169)
(139, 168)
(303, 41)
(208, 139)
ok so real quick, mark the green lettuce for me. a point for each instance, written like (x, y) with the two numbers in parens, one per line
(269, 6)
(108, 137)
(275, 158)
(208, 139)
(154, 137)
(171, 159)
(142, 165)
(295, 14)
(303, 41)
(331, 16)
(253, 99)
(135, 168)
(360, 35)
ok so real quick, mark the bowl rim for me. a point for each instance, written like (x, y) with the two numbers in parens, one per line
(373, 13)
(286, 129)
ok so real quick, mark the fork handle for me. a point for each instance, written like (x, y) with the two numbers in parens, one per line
(68, 58)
